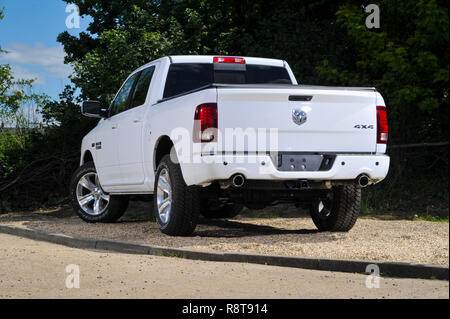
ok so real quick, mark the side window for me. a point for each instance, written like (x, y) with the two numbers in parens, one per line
(121, 101)
(142, 85)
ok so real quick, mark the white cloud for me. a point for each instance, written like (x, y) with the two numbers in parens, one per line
(21, 73)
(51, 59)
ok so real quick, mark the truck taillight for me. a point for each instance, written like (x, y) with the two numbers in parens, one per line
(382, 125)
(205, 123)
(228, 59)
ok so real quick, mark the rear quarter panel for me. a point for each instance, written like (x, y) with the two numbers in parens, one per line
(174, 118)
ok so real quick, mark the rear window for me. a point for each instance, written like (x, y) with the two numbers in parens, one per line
(185, 77)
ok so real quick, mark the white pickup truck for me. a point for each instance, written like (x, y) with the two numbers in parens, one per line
(208, 135)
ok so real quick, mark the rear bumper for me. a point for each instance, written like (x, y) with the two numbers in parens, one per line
(261, 167)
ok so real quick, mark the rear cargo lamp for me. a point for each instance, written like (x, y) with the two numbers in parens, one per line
(382, 125)
(227, 59)
(205, 123)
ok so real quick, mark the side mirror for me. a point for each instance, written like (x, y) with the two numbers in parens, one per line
(93, 109)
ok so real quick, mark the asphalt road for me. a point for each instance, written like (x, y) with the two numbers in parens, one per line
(33, 269)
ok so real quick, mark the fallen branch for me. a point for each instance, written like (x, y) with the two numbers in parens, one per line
(35, 171)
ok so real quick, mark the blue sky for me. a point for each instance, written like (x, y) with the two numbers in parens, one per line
(28, 31)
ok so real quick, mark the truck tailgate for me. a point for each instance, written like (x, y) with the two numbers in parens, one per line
(337, 120)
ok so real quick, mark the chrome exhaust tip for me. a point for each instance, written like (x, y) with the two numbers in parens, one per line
(363, 180)
(238, 180)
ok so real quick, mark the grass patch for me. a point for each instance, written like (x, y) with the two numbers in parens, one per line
(432, 219)
(416, 185)
(431, 215)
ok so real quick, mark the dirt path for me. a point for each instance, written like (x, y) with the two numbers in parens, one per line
(32, 269)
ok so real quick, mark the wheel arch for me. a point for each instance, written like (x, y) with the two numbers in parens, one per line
(87, 157)
(162, 147)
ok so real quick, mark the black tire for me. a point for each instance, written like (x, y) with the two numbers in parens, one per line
(115, 208)
(340, 212)
(185, 206)
(228, 210)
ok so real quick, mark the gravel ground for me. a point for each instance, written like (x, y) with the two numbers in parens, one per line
(380, 240)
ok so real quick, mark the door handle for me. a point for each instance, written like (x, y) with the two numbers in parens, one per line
(114, 126)
(136, 121)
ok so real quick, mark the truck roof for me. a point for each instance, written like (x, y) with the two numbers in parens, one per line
(209, 59)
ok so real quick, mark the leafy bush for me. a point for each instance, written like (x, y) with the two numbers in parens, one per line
(36, 164)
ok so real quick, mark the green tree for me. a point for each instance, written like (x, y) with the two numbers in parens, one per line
(13, 92)
(126, 34)
(406, 59)
(65, 125)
